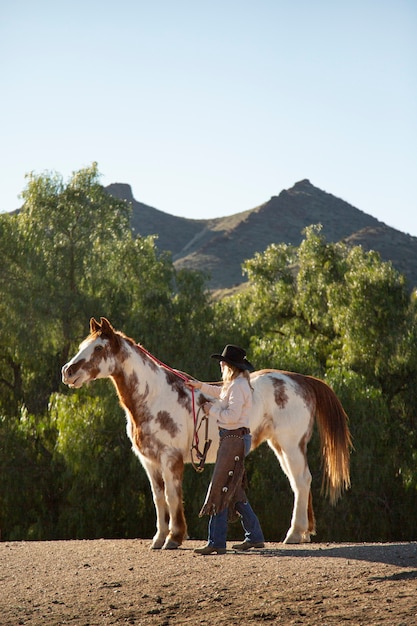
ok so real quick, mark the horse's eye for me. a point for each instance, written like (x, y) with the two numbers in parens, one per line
(98, 348)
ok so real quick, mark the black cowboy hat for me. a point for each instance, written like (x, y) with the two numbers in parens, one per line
(233, 355)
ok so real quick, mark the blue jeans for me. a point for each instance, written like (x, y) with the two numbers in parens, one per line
(217, 527)
(247, 440)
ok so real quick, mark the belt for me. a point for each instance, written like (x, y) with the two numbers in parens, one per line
(237, 431)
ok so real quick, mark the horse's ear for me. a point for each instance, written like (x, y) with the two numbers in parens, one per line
(106, 326)
(94, 326)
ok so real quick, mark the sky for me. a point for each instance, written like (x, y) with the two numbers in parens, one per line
(210, 108)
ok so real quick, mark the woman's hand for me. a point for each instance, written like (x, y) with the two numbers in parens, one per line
(206, 407)
(196, 384)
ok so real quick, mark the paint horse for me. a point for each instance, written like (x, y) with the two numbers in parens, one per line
(159, 411)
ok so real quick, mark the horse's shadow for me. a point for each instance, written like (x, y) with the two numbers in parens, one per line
(398, 554)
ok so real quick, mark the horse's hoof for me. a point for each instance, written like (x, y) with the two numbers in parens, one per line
(157, 544)
(170, 545)
(294, 537)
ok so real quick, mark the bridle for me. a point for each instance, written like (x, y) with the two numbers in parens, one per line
(201, 456)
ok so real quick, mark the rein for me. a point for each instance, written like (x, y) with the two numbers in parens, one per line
(200, 455)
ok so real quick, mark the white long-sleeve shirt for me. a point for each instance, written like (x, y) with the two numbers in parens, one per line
(232, 409)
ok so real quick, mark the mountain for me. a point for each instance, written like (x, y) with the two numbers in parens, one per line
(219, 246)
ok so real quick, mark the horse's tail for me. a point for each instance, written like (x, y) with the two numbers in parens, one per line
(335, 439)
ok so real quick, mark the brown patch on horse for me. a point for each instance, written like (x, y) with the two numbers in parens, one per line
(152, 447)
(93, 366)
(114, 338)
(145, 358)
(177, 385)
(257, 437)
(138, 412)
(123, 353)
(304, 389)
(114, 346)
(276, 445)
(202, 399)
(159, 480)
(262, 433)
(75, 367)
(176, 465)
(167, 423)
(306, 438)
(280, 392)
(130, 398)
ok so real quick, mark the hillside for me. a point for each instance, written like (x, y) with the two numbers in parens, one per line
(219, 246)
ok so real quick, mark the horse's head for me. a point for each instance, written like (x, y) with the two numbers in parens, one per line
(95, 356)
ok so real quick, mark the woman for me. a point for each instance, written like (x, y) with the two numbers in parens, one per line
(225, 495)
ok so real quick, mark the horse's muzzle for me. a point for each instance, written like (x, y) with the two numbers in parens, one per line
(69, 374)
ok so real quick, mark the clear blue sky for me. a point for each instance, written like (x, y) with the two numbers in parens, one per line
(210, 108)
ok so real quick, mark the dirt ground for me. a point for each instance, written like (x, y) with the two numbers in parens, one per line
(89, 583)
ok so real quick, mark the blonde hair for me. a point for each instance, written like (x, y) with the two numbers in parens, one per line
(229, 373)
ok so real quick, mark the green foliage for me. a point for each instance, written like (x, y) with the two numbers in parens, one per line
(29, 497)
(71, 251)
(323, 309)
(107, 493)
(53, 246)
(341, 314)
(372, 315)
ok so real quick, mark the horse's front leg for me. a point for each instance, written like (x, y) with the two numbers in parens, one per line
(173, 471)
(158, 493)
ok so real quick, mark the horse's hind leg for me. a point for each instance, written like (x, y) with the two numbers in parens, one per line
(311, 516)
(293, 462)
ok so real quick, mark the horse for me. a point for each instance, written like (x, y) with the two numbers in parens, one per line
(160, 422)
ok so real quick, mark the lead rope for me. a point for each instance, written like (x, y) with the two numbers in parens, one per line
(200, 455)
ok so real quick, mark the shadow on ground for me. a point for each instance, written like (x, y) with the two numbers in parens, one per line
(401, 555)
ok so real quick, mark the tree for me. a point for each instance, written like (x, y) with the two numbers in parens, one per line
(69, 255)
(342, 314)
(324, 309)
(29, 489)
(106, 492)
(71, 231)
(60, 236)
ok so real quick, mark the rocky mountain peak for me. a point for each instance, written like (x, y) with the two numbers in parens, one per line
(218, 247)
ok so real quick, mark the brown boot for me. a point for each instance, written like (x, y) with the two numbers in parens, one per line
(208, 549)
(247, 545)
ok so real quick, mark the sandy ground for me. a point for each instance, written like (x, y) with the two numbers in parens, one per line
(89, 583)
